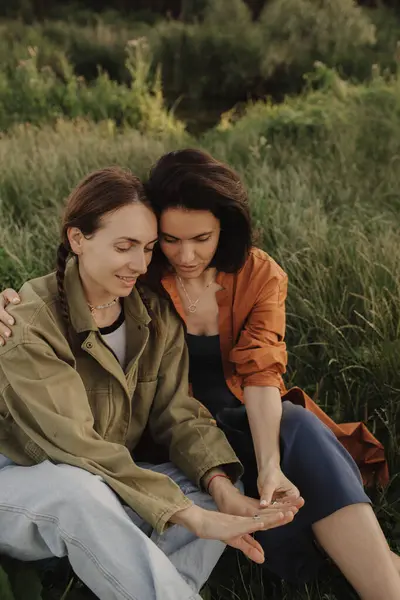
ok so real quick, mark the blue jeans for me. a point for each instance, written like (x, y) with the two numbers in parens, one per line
(58, 510)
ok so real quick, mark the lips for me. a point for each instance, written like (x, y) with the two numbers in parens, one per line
(129, 279)
(187, 268)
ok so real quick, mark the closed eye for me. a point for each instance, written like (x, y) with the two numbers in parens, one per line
(170, 240)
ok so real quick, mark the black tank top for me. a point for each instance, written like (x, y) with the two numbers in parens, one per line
(206, 373)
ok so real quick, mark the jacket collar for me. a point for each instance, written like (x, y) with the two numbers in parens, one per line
(80, 315)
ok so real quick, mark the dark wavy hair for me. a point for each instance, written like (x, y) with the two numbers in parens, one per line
(195, 180)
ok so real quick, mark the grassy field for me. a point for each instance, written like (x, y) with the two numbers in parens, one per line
(323, 173)
(323, 176)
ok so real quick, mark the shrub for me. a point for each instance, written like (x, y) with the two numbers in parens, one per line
(218, 59)
(34, 95)
(360, 122)
(226, 56)
(300, 32)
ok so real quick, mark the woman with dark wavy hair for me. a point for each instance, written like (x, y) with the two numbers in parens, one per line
(231, 297)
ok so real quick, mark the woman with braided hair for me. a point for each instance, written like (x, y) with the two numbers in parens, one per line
(93, 361)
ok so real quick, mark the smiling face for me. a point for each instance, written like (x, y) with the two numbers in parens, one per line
(189, 240)
(119, 251)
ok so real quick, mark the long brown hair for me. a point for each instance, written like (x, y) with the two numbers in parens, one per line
(98, 194)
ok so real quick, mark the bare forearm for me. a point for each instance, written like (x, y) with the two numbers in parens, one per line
(264, 411)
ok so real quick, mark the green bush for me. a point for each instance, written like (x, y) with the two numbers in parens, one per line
(89, 48)
(34, 95)
(359, 122)
(222, 56)
(100, 45)
(234, 13)
(226, 56)
(217, 59)
(299, 32)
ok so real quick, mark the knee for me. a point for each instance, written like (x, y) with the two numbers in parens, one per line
(297, 420)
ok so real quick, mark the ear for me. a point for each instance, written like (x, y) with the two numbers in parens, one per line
(76, 239)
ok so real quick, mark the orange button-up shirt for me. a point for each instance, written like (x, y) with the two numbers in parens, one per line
(251, 322)
(252, 325)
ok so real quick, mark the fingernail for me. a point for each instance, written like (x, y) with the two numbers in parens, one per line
(15, 300)
(11, 321)
(263, 503)
(7, 333)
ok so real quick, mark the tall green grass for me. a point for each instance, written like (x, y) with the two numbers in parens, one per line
(324, 184)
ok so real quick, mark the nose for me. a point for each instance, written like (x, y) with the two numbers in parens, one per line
(187, 254)
(139, 265)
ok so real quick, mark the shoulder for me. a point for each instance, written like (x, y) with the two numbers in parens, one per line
(260, 268)
(37, 311)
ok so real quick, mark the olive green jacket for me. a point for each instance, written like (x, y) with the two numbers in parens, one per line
(71, 402)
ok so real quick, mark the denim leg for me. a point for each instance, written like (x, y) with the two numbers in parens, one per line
(58, 510)
(194, 558)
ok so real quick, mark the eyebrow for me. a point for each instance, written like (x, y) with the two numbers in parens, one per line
(192, 238)
(129, 239)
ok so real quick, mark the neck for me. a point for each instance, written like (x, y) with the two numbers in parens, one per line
(95, 295)
(206, 276)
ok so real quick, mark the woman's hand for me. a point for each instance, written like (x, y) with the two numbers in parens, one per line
(9, 296)
(232, 530)
(230, 501)
(274, 486)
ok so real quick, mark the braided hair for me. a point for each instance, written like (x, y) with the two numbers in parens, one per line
(62, 257)
(153, 325)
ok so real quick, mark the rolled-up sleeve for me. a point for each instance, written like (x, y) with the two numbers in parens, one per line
(260, 356)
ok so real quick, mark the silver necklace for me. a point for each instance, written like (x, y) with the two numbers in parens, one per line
(101, 306)
(192, 306)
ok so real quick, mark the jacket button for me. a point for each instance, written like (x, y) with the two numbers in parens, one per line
(89, 345)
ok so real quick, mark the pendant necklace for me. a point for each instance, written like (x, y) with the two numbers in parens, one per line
(192, 306)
